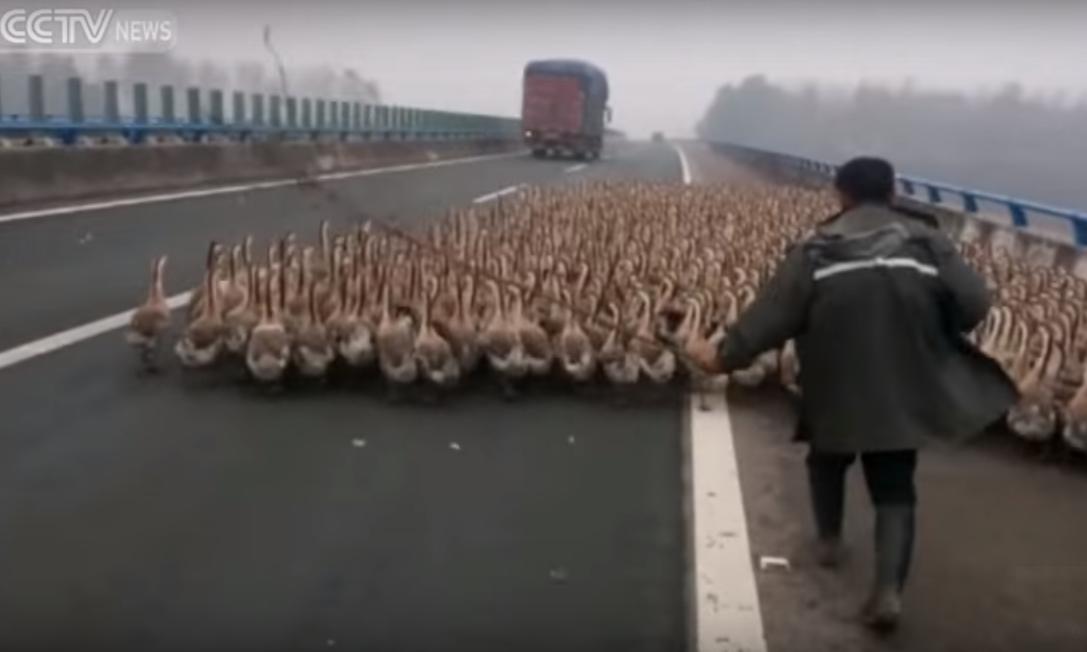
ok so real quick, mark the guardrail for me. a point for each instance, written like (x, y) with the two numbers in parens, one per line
(969, 201)
(253, 116)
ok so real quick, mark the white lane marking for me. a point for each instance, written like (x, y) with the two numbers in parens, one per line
(727, 615)
(78, 334)
(575, 168)
(684, 164)
(246, 187)
(491, 196)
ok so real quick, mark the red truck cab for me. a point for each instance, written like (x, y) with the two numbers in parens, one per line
(564, 108)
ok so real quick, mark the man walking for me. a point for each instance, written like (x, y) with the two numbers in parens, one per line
(878, 302)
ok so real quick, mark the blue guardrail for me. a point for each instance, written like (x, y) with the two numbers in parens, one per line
(969, 200)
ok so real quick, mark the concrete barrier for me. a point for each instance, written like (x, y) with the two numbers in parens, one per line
(49, 175)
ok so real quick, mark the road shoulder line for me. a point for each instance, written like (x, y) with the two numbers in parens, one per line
(722, 596)
(236, 188)
(727, 616)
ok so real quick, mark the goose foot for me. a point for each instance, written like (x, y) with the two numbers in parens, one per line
(509, 390)
(273, 389)
(620, 397)
(394, 394)
(704, 401)
(149, 361)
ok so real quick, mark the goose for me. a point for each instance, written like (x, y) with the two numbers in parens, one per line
(433, 354)
(232, 288)
(655, 361)
(621, 365)
(202, 339)
(538, 352)
(313, 347)
(690, 333)
(395, 345)
(1074, 431)
(355, 336)
(240, 320)
(501, 343)
(574, 348)
(461, 329)
(268, 349)
(1034, 418)
(151, 319)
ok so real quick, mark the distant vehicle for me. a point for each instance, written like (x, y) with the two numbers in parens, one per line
(658, 137)
(564, 108)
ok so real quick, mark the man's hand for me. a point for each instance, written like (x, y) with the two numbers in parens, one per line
(704, 355)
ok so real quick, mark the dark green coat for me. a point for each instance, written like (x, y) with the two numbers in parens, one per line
(878, 302)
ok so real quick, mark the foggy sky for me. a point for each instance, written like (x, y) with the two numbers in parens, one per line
(665, 59)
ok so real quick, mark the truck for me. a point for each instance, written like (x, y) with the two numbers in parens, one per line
(564, 108)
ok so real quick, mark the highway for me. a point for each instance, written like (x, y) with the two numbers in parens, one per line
(185, 512)
(180, 513)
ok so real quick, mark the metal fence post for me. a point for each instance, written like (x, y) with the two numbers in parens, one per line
(1019, 216)
(356, 116)
(969, 202)
(112, 106)
(36, 97)
(933, 194)
(166, 96)
(238, 114)
(257, 99)
(292, 112)
(215, 111)
(193, 97)
(275, 111)
(75, 99)
(307, 113)
(319, 111)
(1079, 226)
(139, 103)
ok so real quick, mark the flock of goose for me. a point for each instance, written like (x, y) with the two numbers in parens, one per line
(1037, 331)
(594, 283)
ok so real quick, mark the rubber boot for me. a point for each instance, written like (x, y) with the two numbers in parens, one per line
(827, 488)
(894, 552)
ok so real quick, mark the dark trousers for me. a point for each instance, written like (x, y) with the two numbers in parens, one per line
(889, 477)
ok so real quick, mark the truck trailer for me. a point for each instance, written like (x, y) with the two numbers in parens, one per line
(564, 108)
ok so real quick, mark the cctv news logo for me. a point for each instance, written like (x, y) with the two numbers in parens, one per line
(74, 30)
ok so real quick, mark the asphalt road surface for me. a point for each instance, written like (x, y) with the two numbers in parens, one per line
(193, 513)
(190, 513)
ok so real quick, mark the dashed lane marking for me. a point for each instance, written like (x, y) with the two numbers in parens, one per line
(575, 168)
(78, 334)
(491, 196)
